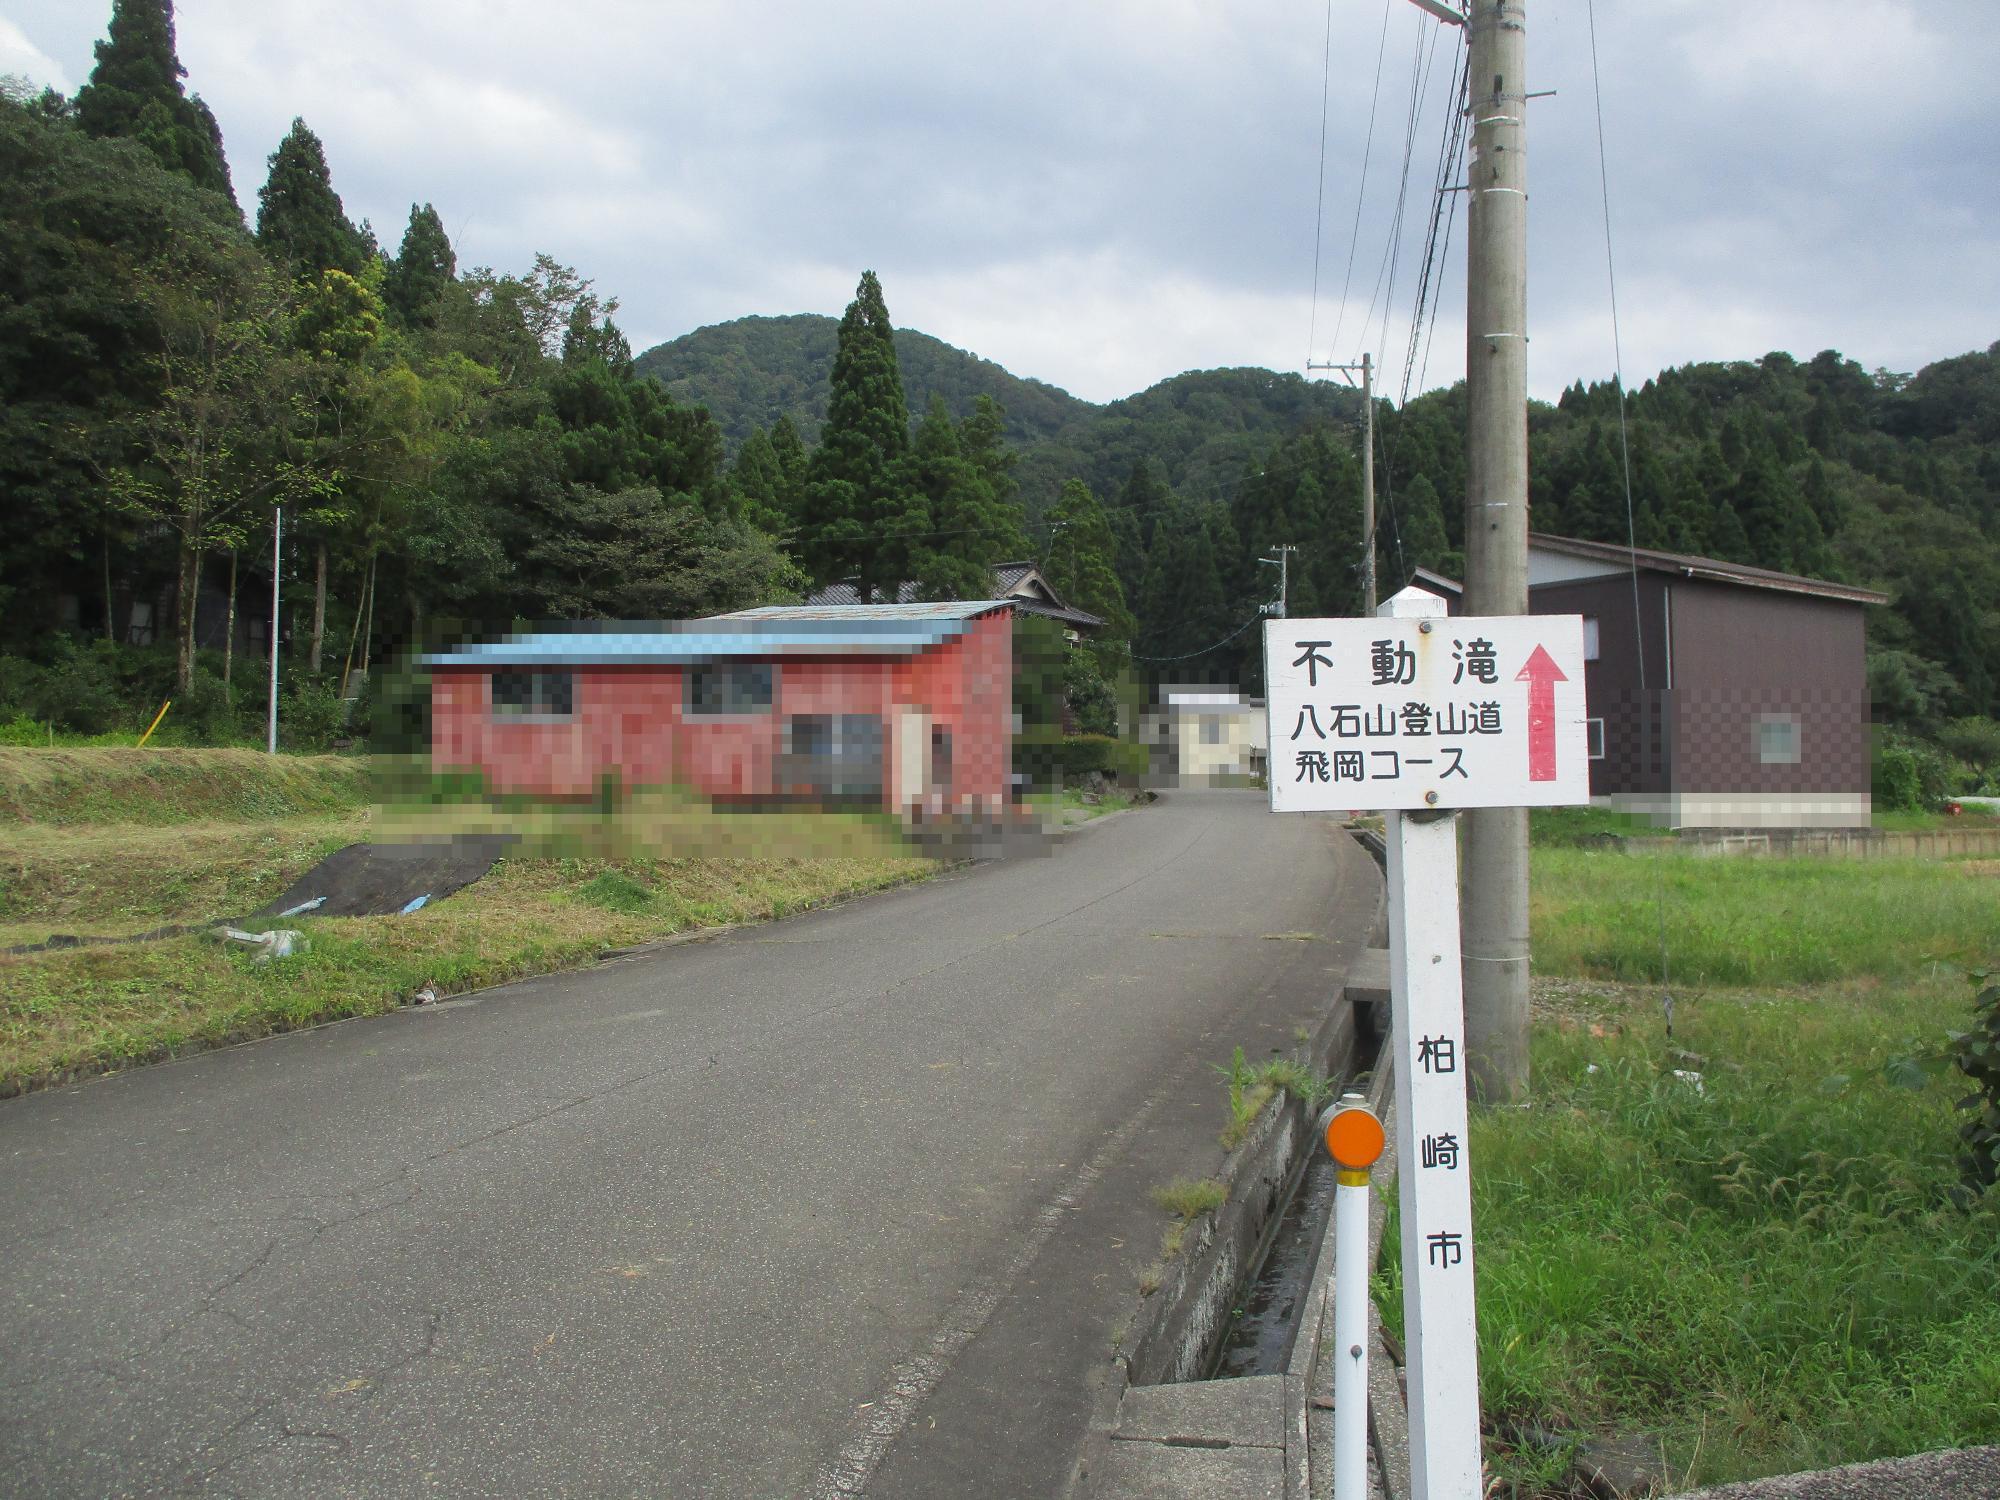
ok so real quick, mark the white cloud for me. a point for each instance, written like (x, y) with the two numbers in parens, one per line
(23, 59)
(1104, 195)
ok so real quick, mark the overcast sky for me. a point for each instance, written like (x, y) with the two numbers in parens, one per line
(1104, 194)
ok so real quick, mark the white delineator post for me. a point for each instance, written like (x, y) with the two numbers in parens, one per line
(1433, 1185)
(1350, 1335)
(1354, 1139)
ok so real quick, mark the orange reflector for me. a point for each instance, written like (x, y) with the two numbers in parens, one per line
(1354, 1138)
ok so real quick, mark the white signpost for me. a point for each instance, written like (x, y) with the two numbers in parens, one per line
(1418, 714)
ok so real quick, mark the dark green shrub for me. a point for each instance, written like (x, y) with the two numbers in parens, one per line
(394, 716)
(311, 714)
(1977, 1054)
(1044, 757)
(204, 712)
(1092, 705)
(1039, 656)
(1908, 775)
(79, 689)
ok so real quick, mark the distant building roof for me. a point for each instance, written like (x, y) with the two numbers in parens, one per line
(772, 631)
(1020, 583)
(1709, 569)
(817, 609)
(1010, 575)
(1437, 583)
(1616, 557)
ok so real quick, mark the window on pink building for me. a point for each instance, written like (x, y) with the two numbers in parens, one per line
(534, 695)
(733, 688)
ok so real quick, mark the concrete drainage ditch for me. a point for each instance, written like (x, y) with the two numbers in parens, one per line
(1213, 1381)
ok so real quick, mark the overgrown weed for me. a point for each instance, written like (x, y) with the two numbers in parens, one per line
(1768, 1271)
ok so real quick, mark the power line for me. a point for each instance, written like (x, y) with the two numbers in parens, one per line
(1449, 151)
(1385, 277)
(1319, 203)
(1625, 465)
(1187, 655)
(1361, 193)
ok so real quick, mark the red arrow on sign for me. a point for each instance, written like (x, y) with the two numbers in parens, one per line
(1541, 675)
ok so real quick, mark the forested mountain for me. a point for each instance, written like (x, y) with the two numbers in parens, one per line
(751, 371)
(455, 450)
(1201, 427)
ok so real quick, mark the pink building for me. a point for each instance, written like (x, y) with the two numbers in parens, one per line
(904, 706)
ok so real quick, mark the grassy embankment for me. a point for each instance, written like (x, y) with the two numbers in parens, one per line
(116, 842)
(1768, 1272)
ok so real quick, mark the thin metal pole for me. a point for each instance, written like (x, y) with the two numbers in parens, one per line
(1368, 600)
(1496, 520)
(271, 716)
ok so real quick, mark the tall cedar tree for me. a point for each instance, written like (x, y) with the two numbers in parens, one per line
(301, 225)
(1181, 599)
(754, 484)
(135, 92)
(945, 564)
(860, 519)
(422, 272)
(963, 475)
(1082, 564)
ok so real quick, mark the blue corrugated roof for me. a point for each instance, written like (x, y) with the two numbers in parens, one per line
(777, 630)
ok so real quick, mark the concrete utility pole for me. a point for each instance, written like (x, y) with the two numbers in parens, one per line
(1495, 879)
(1282, 562)
(1368, 484)
(1367, 369)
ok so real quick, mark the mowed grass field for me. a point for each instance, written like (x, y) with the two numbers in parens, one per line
(115, 842)
(1768, 1264)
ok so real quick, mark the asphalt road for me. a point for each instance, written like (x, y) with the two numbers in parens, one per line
(849, 1203)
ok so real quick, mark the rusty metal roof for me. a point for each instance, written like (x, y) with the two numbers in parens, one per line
(1709, 569)
(945, 609)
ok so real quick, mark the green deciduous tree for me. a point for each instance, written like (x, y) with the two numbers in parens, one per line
(202, 463)
(78, 217)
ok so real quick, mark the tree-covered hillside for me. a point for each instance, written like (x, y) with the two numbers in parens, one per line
(1818, 467)
(751, 371)
(458, 450)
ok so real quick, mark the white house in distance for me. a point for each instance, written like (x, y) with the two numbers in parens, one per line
(1201, 735)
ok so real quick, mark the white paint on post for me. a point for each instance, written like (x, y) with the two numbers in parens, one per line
(1432, 1170)
(1427, 1033)
(1350, 1340)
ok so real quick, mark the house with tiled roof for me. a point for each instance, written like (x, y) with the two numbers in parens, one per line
(1020, 583)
